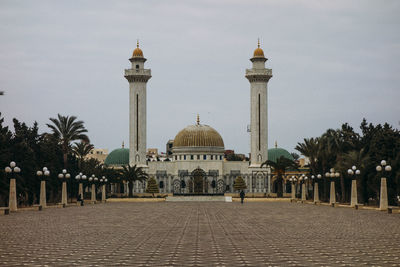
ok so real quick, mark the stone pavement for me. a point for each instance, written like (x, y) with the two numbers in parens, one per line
(200, 234)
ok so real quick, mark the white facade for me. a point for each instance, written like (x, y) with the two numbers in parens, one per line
(187, 161)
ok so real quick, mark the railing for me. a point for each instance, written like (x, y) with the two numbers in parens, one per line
(259, 72)
(137, 72)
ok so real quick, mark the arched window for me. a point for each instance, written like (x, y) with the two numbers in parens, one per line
(137, 66)
(191, 157)
(212, 157)
(184, 157)
(204, 157)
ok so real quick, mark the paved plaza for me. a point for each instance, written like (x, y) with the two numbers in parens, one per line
(200, 234)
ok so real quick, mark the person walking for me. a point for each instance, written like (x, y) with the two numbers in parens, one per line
(242, 194)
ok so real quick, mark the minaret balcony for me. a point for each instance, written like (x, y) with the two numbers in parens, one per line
(259, 72)
(254, 75)
(138, 75)
(129, 72)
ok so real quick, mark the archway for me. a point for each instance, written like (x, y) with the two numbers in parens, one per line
(198, 178)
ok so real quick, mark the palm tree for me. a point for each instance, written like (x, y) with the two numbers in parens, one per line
(280, 167)
(132, 174)
(81, 150)
(67, 129)
(310, 149)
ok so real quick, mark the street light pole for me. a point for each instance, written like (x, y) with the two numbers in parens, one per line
(332, 174)
(42, 176)
(383, 198)
(64, 176)
(316, 191)
(293, 180)
(12, 200)
(353, 172)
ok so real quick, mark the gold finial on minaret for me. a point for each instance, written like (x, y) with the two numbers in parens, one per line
(276, 144)
(198, 119)
(257, 43)
(123, 145)
(137, 43)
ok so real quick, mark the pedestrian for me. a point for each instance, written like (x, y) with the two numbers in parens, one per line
(242, 194)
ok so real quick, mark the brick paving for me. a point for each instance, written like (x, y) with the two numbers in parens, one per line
(200, 234)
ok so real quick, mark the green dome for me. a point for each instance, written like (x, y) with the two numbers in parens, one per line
(276, 153)
(118, 156)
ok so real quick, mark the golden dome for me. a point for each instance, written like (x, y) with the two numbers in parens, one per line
(198, 136)
(137, 52)
(258, 52)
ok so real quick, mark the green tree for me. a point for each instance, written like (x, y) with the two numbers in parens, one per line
(67, 129)
(280, 167)
(239, 184)
(152, 186)
(132, 174)
(81, 150)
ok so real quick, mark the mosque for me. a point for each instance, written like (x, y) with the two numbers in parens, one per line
(197, 164)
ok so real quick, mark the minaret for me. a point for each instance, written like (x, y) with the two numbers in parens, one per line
(137, 77)
(258, 77)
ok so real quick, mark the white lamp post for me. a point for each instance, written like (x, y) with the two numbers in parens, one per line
(80, 179)
(383, 198)
(316, 191)
(64, 195)
(332, 174)
(353, 172)
(93, 180)
(303, 187)
(12, 201)
(103, 181)
(42, 176)
(293, 181)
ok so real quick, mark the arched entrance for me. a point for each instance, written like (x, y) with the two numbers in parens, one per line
(198, 180)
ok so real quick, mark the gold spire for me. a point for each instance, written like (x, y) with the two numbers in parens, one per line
(258, 52)
(137, 52)
(137, 44)
(123, 145)
(198, 119)
(276, 144)
(258, 44)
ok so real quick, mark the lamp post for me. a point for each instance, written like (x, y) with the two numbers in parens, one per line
(12, 201)
(93, 180)
(383, 198)
(103, 181)
(332, 174)
(353, 172)
(303, 179)
(293, 180)
(80, 179)
(316, 191)
(64, 176)
(42, 176)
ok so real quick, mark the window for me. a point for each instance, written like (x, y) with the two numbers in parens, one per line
(137, 66)
(204, 157)
(184, 157)
(212, 157)
(176, 157)
(220, 157)
(191, 157)
(198, 157)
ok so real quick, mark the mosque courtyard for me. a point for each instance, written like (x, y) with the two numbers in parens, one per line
(200, 234)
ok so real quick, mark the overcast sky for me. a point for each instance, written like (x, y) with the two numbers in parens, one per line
(332, 62)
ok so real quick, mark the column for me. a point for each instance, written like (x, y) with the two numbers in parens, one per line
(43, 194)
(64, 193)
(353, 193)
(80, 190)
(383, 199)
(332, 199)
(93, 199)
(293, 191)
(316, 193)
(103, 193)
(303, 192)
(12, 201)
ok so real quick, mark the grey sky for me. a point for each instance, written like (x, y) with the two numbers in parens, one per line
(332, 61)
